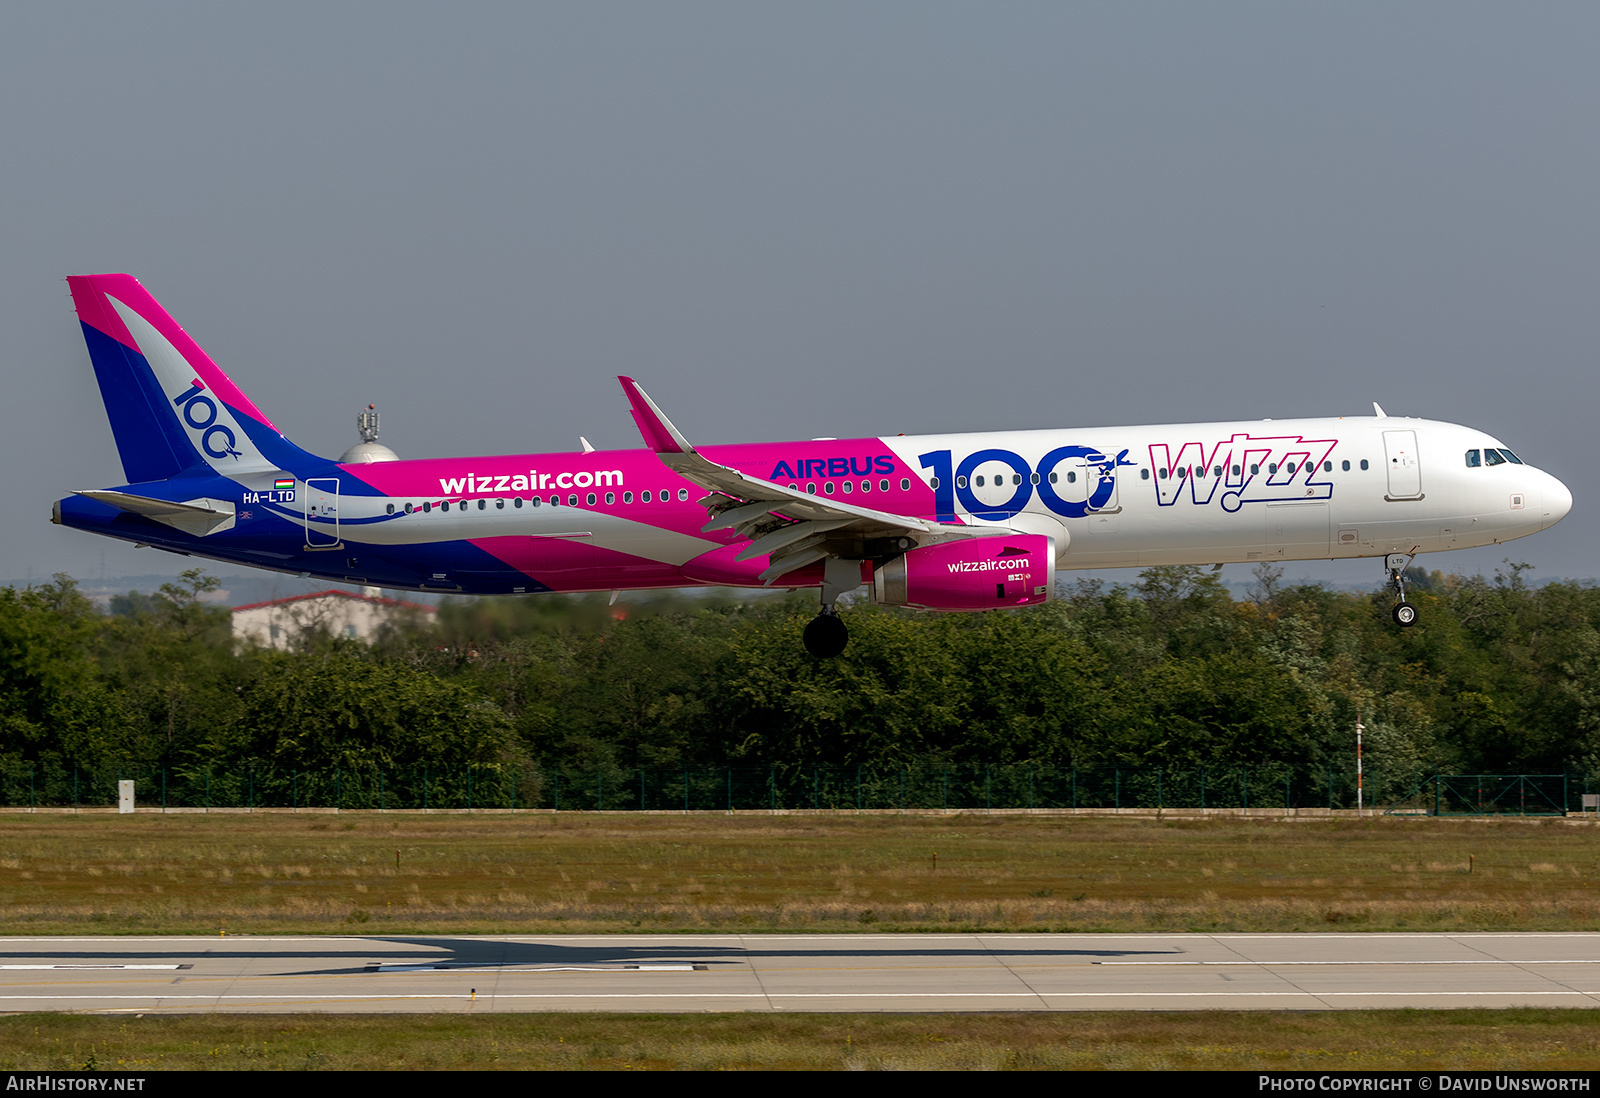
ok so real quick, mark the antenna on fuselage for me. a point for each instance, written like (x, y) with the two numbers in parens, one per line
(369, 449)
(1377, 410)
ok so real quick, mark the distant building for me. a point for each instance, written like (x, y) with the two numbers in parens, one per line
(278, 623)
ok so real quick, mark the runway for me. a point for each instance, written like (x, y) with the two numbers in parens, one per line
(683, 973)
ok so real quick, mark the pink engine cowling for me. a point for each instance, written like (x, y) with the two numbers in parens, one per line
(972, 574)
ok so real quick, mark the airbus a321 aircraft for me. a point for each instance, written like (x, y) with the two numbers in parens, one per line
(941, 522)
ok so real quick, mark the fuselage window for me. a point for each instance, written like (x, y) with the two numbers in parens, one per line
(611, 497)
(905, 485)
(1345, 465)
(644, 497)
(1493, 457)
(848, 486)
(590, 499)
(627, 497)
(1034, 479)
(1473, 459)
(572, 500)
(1144, 474)
(1164, 473)
(500, 504)
(1327, 467)
(828, 487)
(961, 482)
(683, 495)
(1183, 473)
(518, 501)
(1272, 467)
(390, 507)
(483, 505)
(408, 508)
(1236, 470)
(977, 481)
(1200, 471)
(1016, 478)
(883, 486)
(1291, 467)
(866, 485)
(1053, 476)
(555, 501)
(463, 504)
(1363, 464)
(426, 507)
(811, 489)
(1072, 477)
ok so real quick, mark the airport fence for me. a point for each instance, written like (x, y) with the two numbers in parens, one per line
(253, 784)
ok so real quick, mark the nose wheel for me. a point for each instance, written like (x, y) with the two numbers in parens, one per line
(1404, 613)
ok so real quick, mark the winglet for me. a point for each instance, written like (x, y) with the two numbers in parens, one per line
(659, 433)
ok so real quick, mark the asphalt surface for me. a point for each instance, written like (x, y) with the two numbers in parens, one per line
(923, 972)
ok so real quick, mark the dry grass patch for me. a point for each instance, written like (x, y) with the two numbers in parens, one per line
(588, 872)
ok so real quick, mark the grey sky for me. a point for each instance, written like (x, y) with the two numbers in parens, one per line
(798, 220)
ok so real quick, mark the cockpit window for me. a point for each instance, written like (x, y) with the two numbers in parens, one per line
(1493, 457)
(1473, 460)
(1513, 458)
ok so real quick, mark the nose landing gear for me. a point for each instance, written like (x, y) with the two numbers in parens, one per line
(1404, 613)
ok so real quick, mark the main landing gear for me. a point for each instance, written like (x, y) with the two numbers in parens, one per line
(825, 634)
(1404, 613)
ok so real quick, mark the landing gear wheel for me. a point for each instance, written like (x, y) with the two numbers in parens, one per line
(826, 636)
(1404, 613)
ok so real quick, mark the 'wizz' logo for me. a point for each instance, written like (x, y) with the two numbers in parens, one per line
(1244, 469)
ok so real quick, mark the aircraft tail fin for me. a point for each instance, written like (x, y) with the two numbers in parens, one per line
(172, 409)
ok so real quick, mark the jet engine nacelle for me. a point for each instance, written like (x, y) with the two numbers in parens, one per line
(971, 574)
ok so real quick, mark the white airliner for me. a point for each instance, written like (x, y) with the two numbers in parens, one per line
(940, 522)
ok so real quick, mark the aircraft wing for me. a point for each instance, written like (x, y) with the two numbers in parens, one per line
(794, 528)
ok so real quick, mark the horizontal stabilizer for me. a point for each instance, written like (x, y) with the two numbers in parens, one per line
(196, 516)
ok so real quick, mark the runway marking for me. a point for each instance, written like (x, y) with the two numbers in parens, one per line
(97, 968)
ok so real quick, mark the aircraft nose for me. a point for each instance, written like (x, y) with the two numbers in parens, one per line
(1557, 502)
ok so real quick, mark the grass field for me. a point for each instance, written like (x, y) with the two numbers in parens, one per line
(488, 873)
(1548, 1040)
